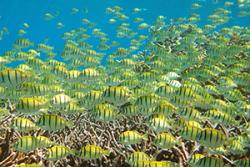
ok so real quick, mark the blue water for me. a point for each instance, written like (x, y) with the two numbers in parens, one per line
(15, 12)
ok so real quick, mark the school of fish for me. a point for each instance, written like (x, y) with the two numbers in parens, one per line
(178, 96)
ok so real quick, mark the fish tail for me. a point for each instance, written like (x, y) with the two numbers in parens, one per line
(106, 152)
(70, 124)
(145, 137)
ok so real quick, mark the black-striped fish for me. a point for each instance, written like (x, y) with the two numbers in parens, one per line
(165, 140)
(23, 124)
(137, 156)
(209, 162)
(117, 95)
(131, 137)
(31, 105)
(90, 152)
(212, 138)
(52, 122)
(26, 144)
(13, 77)
(58, 152)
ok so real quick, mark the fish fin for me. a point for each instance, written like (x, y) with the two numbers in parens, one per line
(229, 141)
(82, 110)
(73, 152)
(70, 124)
(145, 137)
(106, 152)
(43, 111)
